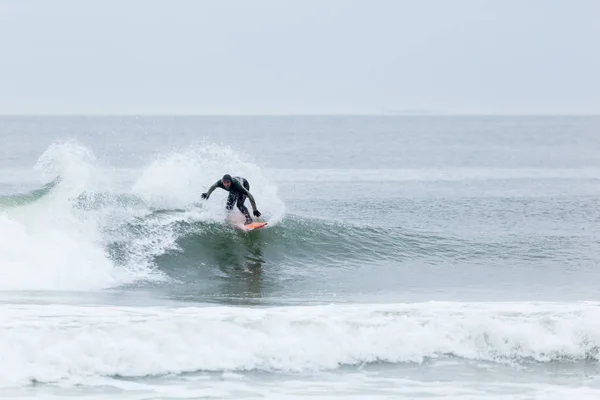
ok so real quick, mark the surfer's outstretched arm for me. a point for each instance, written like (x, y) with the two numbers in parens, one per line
(251, 198)
(210, 190)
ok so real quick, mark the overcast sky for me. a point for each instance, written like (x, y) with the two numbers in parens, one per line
(297, 57)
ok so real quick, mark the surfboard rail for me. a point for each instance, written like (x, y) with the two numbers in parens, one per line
(252, 226)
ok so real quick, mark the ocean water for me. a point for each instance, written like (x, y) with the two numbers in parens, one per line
(405, 257)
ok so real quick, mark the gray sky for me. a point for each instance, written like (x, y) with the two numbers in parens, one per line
(296, 57)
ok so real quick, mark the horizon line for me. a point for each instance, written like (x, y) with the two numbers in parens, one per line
(399, 114)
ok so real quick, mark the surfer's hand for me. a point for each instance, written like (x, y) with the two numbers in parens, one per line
(256, 213)
(204, 196)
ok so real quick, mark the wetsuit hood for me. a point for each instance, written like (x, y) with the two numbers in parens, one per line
(227, 177)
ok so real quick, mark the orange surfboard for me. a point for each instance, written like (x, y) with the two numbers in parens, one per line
(252, 226)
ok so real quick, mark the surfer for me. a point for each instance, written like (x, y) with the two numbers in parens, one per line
(238, 189)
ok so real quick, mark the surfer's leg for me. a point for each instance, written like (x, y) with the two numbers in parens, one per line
(240, 203)
(230, 201)
(244, 210)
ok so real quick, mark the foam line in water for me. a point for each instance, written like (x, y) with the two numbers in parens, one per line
(430, 174)
(51, 343)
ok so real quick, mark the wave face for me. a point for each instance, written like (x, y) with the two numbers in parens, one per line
(93, 227)
(81, 231)
(52, 343)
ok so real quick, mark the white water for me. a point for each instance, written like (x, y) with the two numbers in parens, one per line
(46, 244)
(177, 179)
(73, 343)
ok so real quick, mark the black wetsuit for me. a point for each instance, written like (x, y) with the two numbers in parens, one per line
(239, 190)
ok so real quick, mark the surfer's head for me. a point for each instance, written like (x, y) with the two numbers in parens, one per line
(226, 180)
